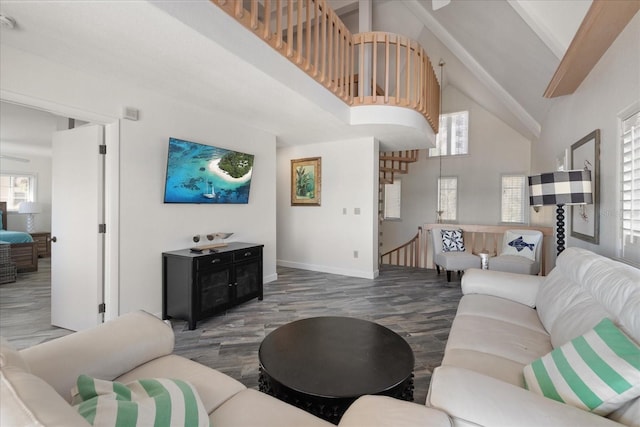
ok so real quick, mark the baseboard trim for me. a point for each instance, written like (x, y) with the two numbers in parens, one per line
(328, 269)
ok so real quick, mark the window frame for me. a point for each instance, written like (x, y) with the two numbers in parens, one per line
(446, 129)
(626, 115)
(524, 199)
(397, 183)
(31, 192)
(455, 210)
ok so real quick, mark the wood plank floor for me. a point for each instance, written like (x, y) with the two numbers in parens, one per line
(416, 303)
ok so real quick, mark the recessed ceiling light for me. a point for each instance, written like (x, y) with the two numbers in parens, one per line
(7, 22)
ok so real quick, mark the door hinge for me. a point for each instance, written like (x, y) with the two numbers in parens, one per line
(102, 308)
(102, 228)
(102, 148)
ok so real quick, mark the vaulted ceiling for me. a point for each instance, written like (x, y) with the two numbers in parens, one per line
(500, 53)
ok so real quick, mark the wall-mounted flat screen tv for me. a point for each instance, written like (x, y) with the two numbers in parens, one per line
(198, 173)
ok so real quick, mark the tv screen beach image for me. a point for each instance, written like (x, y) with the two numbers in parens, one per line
(199, 173)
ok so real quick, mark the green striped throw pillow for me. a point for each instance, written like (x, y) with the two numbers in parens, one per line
(152, 402)
(598, 371)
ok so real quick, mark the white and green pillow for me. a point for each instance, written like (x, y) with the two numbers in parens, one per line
(149, 402)
(598, 371)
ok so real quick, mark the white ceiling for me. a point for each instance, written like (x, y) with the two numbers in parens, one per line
(500, 53)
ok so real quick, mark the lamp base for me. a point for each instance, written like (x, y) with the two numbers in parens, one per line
(560, 229)
(30, 223)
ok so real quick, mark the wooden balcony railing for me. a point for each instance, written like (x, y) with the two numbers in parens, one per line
(374, 68)
(418, 252)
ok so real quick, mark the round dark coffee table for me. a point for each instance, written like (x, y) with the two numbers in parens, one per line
(323, 364)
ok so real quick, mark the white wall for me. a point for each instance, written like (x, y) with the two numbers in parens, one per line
(323, 238)
(612, 86)
(40, 167)
(147, 226)
(494, 149)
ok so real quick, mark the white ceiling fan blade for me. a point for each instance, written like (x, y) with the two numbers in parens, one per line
(438, 4)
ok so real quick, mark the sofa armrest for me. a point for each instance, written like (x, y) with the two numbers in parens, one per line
(521, 288)
(471, 398)
(382, 411)
(106, 351)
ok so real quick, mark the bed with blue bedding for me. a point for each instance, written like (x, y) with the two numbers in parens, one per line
(24, 251)
(15, 237)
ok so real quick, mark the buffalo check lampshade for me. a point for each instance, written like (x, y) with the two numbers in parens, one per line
(560, 188)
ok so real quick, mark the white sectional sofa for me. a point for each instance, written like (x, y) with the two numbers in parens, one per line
(505, 321)
(36, 383)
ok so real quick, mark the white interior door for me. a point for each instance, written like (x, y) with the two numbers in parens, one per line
(77, 284)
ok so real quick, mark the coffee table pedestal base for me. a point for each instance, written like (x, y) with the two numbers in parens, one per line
(330, 409)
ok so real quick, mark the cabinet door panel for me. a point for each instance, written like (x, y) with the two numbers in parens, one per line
(214, 290)
(248, 279)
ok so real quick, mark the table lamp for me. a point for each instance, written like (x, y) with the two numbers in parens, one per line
(29, 208)
(560, 188)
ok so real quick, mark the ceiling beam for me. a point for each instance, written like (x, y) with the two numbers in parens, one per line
(474, 66)
(604, 21)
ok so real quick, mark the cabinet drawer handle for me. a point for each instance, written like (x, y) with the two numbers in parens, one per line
(247, 254)
(215, 260)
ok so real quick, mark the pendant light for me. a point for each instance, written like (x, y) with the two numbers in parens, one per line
(439, 210)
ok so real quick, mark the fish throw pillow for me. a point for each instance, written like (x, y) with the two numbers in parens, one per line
(523, 245)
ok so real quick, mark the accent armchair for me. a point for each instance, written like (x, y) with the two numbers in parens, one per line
(521, 252)
(450, 253)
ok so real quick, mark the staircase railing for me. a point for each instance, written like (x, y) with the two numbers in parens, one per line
(418, 251)
(408, 255)
(356, 68)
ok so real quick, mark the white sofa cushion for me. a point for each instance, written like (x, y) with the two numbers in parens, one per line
(474, 399)
(28, 400)
(514, 287)
(598, 371)
(496, 335)
(583, 289)
(119, 345)
(383, 411)
(214, 387)
(9, 356)
(253, 408)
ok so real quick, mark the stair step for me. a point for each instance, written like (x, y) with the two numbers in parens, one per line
(399, 159)
(393, 170)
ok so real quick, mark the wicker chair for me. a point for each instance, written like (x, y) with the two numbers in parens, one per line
(8, 270)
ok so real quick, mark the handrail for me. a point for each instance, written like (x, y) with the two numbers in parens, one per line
(312, 36)
(478, 238)
(405, 73)
(407, 255)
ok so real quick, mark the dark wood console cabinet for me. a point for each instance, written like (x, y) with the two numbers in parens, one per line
(198, 285)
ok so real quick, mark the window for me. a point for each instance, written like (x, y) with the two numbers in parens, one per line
(16, 188)
(448, 198)
(630, 248)
(392, 199)
(513, 198)
(453, 137)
